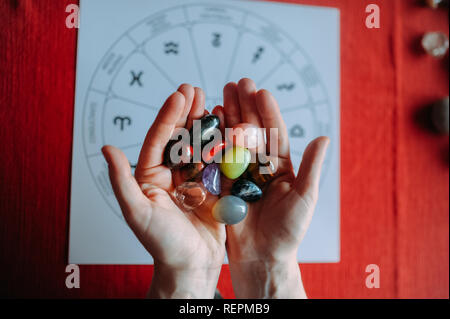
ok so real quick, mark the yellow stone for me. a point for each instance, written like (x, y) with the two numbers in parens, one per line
(235, 161)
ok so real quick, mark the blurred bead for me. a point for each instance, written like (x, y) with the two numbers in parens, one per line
(229, 210)
(191, 171)
(440, 115)
(436, 3)
(190, 195)
(246, 135)
(211, 178)
(185, 153)
(246, 190)
(435, 44)
(235, 161)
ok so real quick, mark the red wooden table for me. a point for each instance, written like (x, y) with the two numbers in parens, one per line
(394, 172)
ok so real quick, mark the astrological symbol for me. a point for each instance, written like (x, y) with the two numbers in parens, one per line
(285, 86)
(216, 40)
(136, 78)
(171, 47)
(257, 54)
(122, 121)
(297, 131)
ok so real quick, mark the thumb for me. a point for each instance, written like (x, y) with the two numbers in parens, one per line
(307, 181)
(132, 201)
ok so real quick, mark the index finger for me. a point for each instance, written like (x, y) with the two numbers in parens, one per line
(272, 119)
(160, 132)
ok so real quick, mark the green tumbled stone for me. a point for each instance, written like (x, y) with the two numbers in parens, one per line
(235, 161)
(230, 210)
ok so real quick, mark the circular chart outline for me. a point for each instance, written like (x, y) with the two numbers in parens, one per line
(284, 59)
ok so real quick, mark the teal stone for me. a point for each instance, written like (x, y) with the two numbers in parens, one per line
(246, 190)
(230, 210)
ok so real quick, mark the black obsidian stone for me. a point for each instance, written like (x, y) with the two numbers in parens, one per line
(208, 124)
(246, 190)
(166, 156)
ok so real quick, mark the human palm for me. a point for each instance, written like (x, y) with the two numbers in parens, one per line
(276, 224)
(173, 238)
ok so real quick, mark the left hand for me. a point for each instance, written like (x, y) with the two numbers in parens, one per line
(188, 248)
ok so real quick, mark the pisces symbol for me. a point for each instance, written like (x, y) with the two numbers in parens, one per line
(136, 78)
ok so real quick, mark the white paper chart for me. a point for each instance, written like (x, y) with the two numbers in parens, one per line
(133, 54)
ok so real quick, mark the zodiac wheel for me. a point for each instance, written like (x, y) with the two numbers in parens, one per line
(206, 45)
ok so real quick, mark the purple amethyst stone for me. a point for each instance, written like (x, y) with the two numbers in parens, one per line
(211, 178)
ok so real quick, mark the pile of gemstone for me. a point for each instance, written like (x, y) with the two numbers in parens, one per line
(235, 157)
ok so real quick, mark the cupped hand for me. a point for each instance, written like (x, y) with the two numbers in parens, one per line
(187, 245)
(271, 233)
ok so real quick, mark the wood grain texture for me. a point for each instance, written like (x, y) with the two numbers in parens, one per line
(394, 172)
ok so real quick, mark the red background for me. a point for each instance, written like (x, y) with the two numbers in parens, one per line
(394, 172)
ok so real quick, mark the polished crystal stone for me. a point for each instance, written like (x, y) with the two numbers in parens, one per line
(260, 173)
(435, 44)
(440, 115)
(211, 178)
(246, 190)
(190, 172)
(246, 135)
(229, 210)
(204, 133)
(190, 195)
(235, 161)
(177, 158)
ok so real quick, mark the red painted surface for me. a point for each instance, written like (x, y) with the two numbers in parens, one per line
(394, 173)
